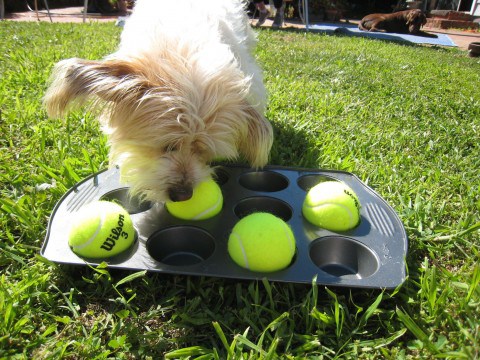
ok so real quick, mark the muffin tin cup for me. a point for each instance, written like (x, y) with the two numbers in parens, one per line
(371, 255)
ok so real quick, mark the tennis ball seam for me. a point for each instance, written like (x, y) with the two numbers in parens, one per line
(291, 239)
(354, 199)
(349, 212)
(207, 211)
(244, 253)
(95, 234)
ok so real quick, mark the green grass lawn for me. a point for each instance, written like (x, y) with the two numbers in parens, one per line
(405, 119)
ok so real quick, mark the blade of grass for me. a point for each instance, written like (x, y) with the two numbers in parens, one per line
(223, 339)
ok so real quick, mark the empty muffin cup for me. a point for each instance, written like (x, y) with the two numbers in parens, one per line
(342, 256)
(132, 204)
(181, 245)
(270, 205)
(220, 176)
(306, 182)
(267, 181)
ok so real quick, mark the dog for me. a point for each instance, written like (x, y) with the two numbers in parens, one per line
(402, 22)
(182, 91)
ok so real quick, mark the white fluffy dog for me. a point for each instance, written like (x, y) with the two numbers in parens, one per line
(182, 90)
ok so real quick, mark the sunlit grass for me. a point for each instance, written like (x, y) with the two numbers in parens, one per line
(405, 119)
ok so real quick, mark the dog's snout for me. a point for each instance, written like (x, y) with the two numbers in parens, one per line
(180, 193)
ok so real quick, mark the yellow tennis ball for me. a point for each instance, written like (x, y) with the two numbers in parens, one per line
(262, 242)
(101, 229)
(332, 205)
(206, 202)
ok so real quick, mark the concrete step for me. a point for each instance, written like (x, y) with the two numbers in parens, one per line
(439, 23)
(451, 15)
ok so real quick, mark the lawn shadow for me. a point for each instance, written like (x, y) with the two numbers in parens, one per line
(292, 146)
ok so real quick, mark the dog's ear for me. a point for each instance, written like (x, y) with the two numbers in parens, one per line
(74, 81)
(259, 138)
(411, 16)
(415, 15)
(424, 19)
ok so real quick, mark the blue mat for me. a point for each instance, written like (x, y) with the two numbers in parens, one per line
(353, 30)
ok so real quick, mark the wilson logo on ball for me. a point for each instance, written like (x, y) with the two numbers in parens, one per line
(115, 234)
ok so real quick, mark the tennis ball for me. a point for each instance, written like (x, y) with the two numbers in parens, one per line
(206, 202)
(262, 242)
(101, 229)
(332, 205)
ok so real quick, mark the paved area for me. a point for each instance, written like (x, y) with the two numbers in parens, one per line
(461, 38)
(70, 14)
(75, 14)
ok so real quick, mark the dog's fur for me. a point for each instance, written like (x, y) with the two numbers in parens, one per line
(402, 22)
(182, 91)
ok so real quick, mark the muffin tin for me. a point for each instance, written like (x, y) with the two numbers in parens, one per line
(372, 255)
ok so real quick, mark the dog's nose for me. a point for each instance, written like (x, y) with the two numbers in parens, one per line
(180, 193)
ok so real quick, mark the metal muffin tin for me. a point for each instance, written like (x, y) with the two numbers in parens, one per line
(372, 255)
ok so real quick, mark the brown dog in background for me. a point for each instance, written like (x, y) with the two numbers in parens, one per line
(403, 22)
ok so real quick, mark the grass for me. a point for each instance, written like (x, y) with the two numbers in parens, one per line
(405, 119)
